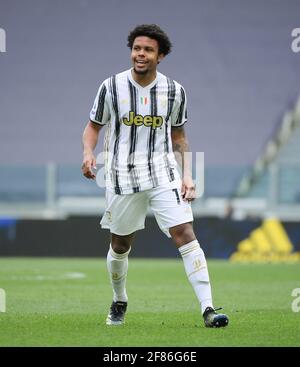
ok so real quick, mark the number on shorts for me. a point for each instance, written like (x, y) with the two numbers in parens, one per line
(177, 195)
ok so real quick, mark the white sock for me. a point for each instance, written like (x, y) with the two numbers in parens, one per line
(117, 266)
(196, 269)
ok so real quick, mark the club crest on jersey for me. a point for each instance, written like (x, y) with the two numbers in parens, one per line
(138, 120)
(163, 101)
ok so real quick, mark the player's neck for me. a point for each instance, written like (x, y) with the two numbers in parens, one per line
(144, 79)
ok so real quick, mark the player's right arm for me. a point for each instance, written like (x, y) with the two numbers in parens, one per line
(89, 141)
(99, 116)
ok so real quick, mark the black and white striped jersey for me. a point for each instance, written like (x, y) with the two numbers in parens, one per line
(138, 146)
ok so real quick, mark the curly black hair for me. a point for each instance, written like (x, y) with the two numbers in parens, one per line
(152, 31)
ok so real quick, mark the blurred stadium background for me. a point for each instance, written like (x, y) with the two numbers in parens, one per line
(243, 85)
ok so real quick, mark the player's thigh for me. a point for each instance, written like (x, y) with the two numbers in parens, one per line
(124, 214)
(168, 206)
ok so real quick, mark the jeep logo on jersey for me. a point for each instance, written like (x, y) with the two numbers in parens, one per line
(138, 120)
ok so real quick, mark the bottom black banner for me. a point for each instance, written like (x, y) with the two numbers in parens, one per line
(142, 356)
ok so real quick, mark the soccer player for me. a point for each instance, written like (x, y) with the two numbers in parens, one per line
(144, 112)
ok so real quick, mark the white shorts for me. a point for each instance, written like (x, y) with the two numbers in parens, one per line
(126, 214)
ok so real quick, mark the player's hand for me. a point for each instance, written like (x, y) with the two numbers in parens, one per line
(89, 163)
(188, 189)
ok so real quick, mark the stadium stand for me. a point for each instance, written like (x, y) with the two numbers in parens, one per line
(277, 170)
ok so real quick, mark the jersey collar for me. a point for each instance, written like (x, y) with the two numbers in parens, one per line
(149, 86)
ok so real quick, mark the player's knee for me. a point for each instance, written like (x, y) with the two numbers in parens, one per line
(121, 244)
(120, 247)
(182, 234)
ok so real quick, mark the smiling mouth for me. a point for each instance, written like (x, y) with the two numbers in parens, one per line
(141, 63)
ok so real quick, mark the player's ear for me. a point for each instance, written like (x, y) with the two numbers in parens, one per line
(160, 57)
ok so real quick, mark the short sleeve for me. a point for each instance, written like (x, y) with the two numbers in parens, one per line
(100, 113)
(179, 113)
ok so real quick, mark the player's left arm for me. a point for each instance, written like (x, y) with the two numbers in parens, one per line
(181, 150)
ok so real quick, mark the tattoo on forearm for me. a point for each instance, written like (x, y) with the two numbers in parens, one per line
(181, 151)
(181, 147)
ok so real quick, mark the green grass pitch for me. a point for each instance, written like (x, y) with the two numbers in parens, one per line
(64, 302)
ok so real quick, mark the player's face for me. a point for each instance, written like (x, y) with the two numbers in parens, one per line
(144, 55)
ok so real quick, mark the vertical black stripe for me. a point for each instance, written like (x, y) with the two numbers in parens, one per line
(180, 114)
(133, 141)
(115, 160)
(151, 138)
(171, 99)
(153, 92)
(101, 102)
